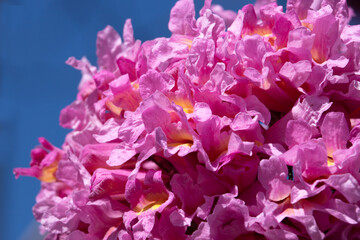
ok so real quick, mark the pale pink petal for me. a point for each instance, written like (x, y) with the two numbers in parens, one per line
(296, 73)
(201, 58)
(272, 175)
(228, 15)
(94, 156)
(297, 132)
(210, 25)
(154, 81)
(184, 187)
(128, 33)
(326, 30)
(347, 185)
(247, 127)
(73, 116)
(202, 112)
(301, 37)
(109, 131)
(228, 219)
(130, 130)
(182, 18)
(236, 145)
(164, 53)
(335, 131)
(220, 80)
(108, 48)
(121, 154)
(300, 6)
(237, 24)
(281, 30)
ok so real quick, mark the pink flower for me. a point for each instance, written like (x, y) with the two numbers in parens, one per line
(238, 126)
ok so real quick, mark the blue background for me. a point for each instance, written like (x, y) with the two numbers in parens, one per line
(36, 38)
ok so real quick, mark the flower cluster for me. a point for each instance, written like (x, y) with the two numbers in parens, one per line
(239, 126)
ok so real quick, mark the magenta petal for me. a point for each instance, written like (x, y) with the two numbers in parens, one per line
(340, 10)
(60, 218)
(127, 66)
(155, 112)
(207, 5)
(146, 199)
(202, 233)
(206, 178)
(31, 172)
(302, 190)
(80, 235)
(280, 234)
(316, 80)
(347, 160)
(251, 50)
(355, 134)
(239, 170)
(82, 64)
(44, 162)
(46, 144)
(249, 19)
(313, 157)
(104, 212)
